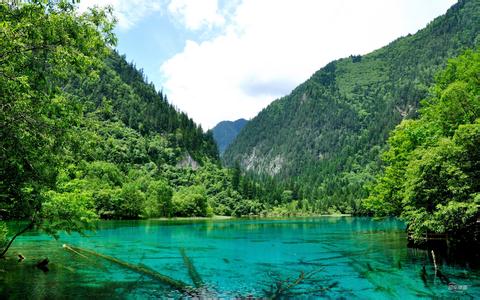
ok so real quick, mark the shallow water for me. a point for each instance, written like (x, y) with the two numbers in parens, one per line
(331, 257)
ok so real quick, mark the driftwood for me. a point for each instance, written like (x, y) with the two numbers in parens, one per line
(89, 259)
(192, 271)
(176, 284)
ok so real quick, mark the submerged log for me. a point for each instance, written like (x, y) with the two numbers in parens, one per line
(434, 261)
(176, 284)
(304, 284)
(90, 259)
(192, 271)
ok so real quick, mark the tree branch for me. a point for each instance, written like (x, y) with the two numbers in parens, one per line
(29, 226)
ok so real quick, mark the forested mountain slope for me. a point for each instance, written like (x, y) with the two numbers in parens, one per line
(226, 131)
(123, 90)
(327, 134)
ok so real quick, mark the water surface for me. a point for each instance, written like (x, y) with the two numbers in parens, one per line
(331, 257)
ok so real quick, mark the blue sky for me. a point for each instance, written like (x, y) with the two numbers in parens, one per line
(223, 60)
(151, 42)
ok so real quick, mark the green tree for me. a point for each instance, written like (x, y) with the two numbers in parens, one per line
(158, 201)
(43, 43)
(190, 201)
(431, 175)
(131, 201)
(237, 173)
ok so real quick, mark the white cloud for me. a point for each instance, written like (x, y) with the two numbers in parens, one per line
(268, 47)
(196, 14)
(127, 12)
(193, 14)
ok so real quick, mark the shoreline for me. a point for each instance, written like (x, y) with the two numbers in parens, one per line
(246, 217)
(192, 218)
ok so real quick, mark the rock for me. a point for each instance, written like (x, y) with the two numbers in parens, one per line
(43, 265)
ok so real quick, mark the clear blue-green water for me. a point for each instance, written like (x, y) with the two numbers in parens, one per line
(339, 257)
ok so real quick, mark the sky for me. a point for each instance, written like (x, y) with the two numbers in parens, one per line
(228, 59)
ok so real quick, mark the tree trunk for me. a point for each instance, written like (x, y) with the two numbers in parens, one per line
(30, 226)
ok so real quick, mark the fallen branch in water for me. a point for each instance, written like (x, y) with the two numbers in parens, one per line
(76, 252)
(192, 271)
(434, 261)
(304, 284)
(176, 284)
(93, 261)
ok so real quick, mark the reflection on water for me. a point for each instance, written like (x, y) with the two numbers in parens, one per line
(330, 257)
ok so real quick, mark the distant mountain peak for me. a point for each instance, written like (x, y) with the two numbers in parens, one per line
(226, 131)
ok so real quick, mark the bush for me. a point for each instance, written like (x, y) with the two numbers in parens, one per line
(158, 201)
(132, 200)
(190, 201)
(248, 208)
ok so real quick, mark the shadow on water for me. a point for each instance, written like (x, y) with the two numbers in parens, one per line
(460, 254)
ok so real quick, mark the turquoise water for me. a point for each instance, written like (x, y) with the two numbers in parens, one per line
(331, 257)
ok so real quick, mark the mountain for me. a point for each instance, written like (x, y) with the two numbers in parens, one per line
(327, 134)
(124, 91)
(226, 131)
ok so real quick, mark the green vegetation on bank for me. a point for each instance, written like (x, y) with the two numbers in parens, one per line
(431, 176)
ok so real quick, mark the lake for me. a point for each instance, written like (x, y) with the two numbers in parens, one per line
(331, 257)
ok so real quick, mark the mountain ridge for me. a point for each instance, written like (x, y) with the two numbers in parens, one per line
(327, 134)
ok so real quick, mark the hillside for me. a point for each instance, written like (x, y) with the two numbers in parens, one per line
(326, 135)
(123, 89)
(226, 131)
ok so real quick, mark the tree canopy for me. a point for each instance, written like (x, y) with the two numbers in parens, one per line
(43, 43)
(431, 176)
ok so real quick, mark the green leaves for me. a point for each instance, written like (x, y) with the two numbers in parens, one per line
(158, 202)
(431, 178)
(190, 201)
(3, 234)
(42, 45)
(68, 211)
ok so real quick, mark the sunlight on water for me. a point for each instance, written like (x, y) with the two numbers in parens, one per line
(328, 256)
